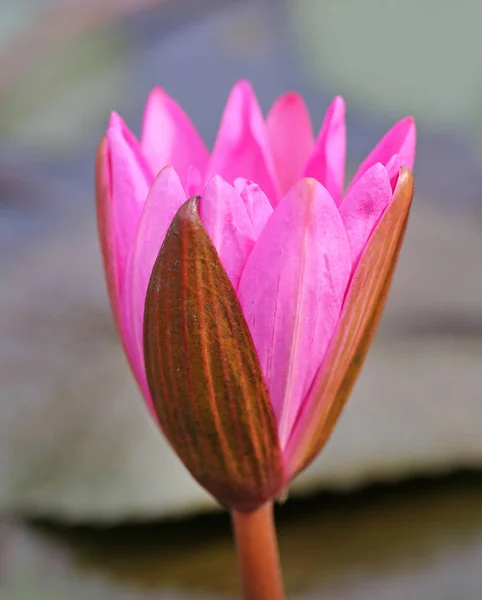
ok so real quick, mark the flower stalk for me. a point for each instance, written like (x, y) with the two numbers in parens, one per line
(258, 556)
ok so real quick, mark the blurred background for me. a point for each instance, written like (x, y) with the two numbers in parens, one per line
(92, 502)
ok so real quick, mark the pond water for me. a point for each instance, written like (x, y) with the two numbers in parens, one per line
(421, 540)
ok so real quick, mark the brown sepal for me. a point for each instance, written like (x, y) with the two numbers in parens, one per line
(203, 372)
(360, 316)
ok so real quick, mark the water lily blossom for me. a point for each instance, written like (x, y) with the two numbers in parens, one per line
(245, 283)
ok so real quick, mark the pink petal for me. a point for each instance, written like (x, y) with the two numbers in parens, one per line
(363, 206)
(165, 198)
(242, 146)
(131, 178)
(291, 138)
(225, 218)
(170, 138)
(291, 293)
(393, 168)
(327, 162)
(400, 140)
(257, 204)
(194, 182)
(109, 255)
(362, 308)
(240, 183)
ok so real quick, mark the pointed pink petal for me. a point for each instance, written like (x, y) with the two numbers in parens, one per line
(170, 138)
(400, 140)
(363, 206)
(242, 147)
(291, 293)
(130, 181)
(227, 223)
(117, 122)
(123, 181)
(257, 204)
(109, 255)
(291, 138)
(166, 196)
(327, 162)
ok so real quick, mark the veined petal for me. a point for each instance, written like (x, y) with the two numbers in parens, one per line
(257, 204)
(327, 162)
(242, 146)
(130, 179)
(291, 293)
(204, 376)
(170, 138)
(399, 141)
(165, 197)
(291, 138)
(225, 218)
(363, 206)
(361, 312)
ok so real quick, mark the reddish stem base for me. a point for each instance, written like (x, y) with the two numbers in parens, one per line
(258, 556)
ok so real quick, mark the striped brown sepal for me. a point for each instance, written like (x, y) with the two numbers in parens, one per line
(203, 372)
(362, 311)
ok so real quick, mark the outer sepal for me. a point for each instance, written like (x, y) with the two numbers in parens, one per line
(204, 376)
(105, 225)
(361, 312)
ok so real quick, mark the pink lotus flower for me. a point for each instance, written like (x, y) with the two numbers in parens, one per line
(308, 266)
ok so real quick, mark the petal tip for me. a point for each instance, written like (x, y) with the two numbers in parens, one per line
(377, 169)
(156, 92)
(116, 121)
(405, 180)
(406, 125)
(313, 187)
(338, 105)
(243, 93)
(290, 99)
(157, 95)
(243, 85)
(217, 181)
(169, 173)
